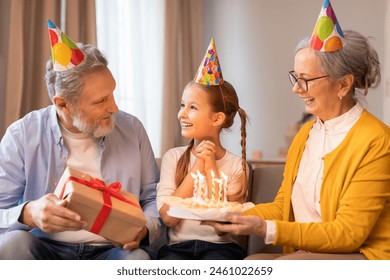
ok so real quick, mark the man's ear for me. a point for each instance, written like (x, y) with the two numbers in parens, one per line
(346, 83)
(61, 104)
(218, 118)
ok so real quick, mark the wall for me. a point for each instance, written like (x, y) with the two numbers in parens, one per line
(255, 41)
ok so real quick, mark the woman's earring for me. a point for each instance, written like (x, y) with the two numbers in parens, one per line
(340, 97)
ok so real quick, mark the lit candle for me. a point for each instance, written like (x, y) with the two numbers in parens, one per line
(212, 186)
(224, 179)
(219, 181)
(202, 186)
(195, 191)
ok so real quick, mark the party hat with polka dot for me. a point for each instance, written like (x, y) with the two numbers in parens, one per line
(209, 72)
(327, 34)
(64, 52)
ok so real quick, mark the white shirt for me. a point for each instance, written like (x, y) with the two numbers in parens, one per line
(323, 139)
(186, 230)
(83, 156)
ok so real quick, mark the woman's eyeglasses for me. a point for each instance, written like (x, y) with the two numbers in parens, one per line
(302, 82)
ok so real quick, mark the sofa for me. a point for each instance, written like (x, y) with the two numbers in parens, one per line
(264, 185)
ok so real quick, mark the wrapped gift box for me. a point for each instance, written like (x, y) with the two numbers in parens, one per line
(91, 199)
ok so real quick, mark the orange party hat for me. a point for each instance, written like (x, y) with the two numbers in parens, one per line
(209, 72)
(64, 51)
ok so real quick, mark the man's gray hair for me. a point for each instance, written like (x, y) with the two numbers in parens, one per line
(69, 83)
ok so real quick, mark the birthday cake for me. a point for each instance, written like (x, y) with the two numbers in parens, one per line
(202, 206)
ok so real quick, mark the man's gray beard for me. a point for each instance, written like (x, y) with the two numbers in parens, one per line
(95, 129)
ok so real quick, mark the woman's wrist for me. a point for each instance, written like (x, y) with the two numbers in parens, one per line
(261, 228)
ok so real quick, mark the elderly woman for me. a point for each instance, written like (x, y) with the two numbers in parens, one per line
(334, 201)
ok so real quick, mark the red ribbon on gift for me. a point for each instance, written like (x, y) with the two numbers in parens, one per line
(108, 191)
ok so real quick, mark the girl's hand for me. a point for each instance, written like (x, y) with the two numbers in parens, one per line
(206, 151)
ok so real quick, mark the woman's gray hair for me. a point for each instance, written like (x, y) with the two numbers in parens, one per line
(357, 57)
(69, 83)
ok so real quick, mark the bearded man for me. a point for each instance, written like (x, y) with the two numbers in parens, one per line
(83, 129)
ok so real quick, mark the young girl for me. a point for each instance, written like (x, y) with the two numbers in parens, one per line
(209, 104)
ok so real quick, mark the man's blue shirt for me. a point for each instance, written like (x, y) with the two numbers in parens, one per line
(33, 156)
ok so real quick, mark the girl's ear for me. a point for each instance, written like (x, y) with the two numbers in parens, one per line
(218, 118)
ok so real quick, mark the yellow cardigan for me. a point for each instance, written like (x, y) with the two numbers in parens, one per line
(355, 195)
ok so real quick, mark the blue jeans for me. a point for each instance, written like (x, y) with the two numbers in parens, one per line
(201, 250)
(23, 245)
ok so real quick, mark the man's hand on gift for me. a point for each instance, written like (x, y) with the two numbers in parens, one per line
(135, 244)
(50, 215)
